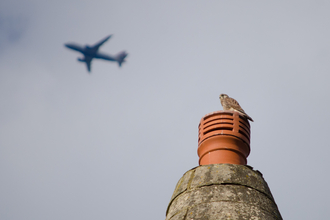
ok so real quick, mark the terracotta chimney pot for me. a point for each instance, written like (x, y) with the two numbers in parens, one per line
(224, 137)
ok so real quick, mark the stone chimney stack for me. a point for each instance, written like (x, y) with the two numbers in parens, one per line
(223, 186)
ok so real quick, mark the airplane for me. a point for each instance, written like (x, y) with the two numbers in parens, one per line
(91, 52)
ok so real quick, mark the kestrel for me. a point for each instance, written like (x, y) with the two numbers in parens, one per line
(232, 105)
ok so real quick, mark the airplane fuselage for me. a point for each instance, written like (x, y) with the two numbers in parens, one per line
(90, 51)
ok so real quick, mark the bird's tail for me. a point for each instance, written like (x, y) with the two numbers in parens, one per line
(248, 117)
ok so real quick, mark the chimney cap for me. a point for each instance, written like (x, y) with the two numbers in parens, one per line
(224, 137)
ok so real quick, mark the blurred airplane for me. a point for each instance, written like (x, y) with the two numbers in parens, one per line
(91, 52)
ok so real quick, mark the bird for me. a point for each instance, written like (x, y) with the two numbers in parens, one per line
(232, 105)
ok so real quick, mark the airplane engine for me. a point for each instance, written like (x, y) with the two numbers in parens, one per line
(81, 59)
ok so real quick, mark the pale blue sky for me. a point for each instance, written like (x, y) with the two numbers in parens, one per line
(113, 144)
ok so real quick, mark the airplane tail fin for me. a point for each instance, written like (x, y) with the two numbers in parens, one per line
(120, 57)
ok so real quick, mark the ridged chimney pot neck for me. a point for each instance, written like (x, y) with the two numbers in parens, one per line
(223, 137)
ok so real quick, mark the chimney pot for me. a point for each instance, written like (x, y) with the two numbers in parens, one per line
(224, 137)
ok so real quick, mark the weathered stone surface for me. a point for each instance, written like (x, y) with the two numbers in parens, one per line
(222, 191)
(180, 215)
(230, 174)
(181, 186)
(227, 210)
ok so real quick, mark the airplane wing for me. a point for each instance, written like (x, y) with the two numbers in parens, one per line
(75, 47)
(97, 45)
